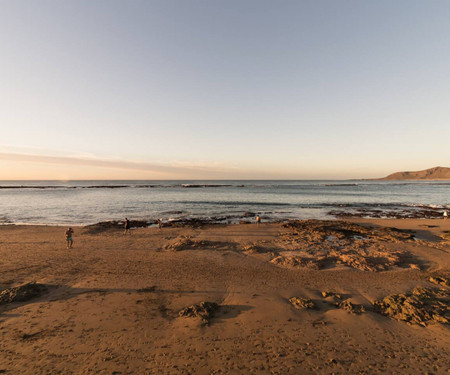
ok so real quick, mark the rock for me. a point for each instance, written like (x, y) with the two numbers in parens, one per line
(203, 310)
(187, 243)
(302, 303)
(328, 293)
(116, 226)
(22, 293)
(350, 307)
(255, 249)
(195, 222)
(422, 306)
(294, 261)
(183, 243)
(439, 280)
(321, 244)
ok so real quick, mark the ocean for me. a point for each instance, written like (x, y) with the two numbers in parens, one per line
(89, 202)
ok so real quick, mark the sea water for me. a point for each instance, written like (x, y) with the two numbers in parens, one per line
(88, 202)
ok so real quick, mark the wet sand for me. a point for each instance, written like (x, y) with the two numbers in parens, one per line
(111, 304)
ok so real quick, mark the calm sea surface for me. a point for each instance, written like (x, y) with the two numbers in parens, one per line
(87, 202)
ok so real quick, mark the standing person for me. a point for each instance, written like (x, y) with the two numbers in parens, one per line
(445, 214)
(258, 220)
(69, 238)
(127, 226)
(159, 224)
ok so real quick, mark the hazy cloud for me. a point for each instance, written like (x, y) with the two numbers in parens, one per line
(115, 164)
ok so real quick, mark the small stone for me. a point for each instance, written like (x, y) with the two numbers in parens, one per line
(352, 308)
(439, 280)
(203, 310)
(302, 303)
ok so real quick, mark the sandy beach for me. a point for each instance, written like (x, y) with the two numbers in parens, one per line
(111, 305)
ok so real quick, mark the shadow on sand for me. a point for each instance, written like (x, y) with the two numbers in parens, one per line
(53, 293)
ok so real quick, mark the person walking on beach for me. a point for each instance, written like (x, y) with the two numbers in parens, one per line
(69, 238)
(258, 220)
(445, 214)
(127, 226)
(159, 224)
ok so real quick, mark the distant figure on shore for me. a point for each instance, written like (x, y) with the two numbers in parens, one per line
(445, 214)
(127, 226)
(69, 238)
(258, 220)
(159, 224)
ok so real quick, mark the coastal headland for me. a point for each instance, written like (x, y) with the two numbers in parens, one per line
(360, 296)
(436, 173)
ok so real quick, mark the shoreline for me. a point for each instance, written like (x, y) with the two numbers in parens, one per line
(201, 221)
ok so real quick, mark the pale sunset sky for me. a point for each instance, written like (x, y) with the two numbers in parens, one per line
(211, 89)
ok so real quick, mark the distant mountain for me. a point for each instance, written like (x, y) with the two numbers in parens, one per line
(436, 173)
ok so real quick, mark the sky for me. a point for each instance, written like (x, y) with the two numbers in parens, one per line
(188, 89)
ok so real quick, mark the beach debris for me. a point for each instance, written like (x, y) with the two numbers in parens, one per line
(439, 280)
(350, 307)
(204, 310)
(421, 306)
(22, 293)
(302, 303)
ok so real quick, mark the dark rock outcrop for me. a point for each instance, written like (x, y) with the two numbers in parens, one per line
(422, 306)
(302, 303)
(204, 310)
(22, 293)
(350, 307)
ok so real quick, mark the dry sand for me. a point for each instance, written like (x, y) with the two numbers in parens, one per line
(111, 303)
